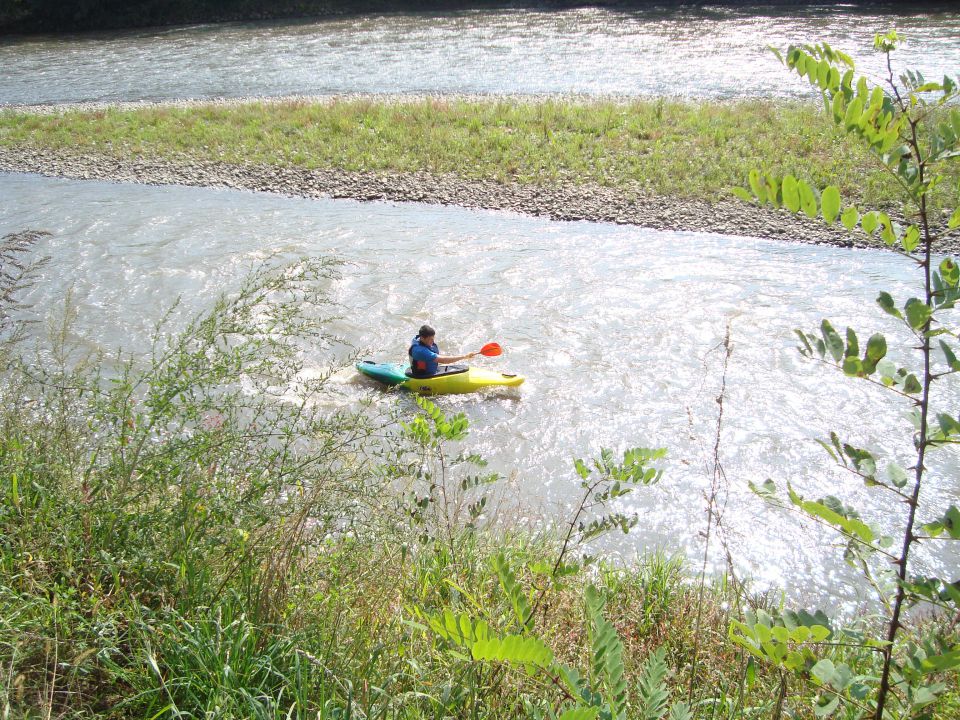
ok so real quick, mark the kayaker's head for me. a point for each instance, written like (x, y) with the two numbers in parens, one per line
(427, 335)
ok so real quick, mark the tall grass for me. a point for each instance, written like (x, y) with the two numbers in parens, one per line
(673, 148)
(169, 482)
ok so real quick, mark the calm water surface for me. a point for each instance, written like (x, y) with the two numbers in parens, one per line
(616, 328)
(712, 52)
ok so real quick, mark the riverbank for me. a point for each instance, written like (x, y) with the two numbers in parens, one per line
(562, 202)
(667, 165)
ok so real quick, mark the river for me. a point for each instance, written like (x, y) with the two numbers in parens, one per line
(702, 52)
(617, 329)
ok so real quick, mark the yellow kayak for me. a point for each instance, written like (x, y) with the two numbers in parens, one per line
(451, 378)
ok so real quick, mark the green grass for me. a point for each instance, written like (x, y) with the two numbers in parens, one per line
(669, 148)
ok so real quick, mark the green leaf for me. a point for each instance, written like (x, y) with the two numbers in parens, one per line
(887, 233)
(824, 671)
(830, 201)
(948, 426)
(911, 385)
(950, 272)
(757, 185)
(820, 633)
(853, 347)
(850, 218)
(939, 663)
(885, 43)
(582, 470)
(851, 118)
(606, 653)
(950, 356)
(512, 589)
(808, 201)
(795, 661)
(852, 526)
(838, 107)
(954, 221)
(826, 705)
(885, 301)
(869, 222)
(806, 349)
(772, 186)
(794, 57)
(743, 194)
(744, 636)
(580, 713)
(835, 441)
(571, 678)
(768, 490)
(949, 523)
(652, 688)
(823, 74)
(458, 629)
(514, 649)
(852, 366)
(911, 238)
(791, 194)
(876, 348)
(829, 450)
(918, 313)
(832, 340)
(863, 460)
(594, 601)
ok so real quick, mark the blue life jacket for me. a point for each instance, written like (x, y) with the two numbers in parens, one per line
(423, 358)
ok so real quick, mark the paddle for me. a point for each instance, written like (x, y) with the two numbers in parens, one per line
(491, 350)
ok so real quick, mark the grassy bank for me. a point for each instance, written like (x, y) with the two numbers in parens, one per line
(184, 534)
(668, 148)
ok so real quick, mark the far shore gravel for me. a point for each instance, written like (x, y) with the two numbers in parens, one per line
(590, 202)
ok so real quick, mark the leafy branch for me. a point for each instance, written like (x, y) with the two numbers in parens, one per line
(912, 129)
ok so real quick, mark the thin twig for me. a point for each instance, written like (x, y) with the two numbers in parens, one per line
(711, 512)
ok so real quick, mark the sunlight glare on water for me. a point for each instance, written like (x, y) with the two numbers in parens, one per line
(711, 52)
(618, 330)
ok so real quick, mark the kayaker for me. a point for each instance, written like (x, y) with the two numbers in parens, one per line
(425, 357)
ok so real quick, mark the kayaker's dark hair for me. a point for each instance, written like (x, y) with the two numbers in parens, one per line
(426, 331)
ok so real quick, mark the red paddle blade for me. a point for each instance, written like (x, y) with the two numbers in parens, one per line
(491, 350)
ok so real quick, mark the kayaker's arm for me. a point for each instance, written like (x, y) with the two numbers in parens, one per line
(448, 359)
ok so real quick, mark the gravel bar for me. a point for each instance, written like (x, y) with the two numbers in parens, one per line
(564, 201)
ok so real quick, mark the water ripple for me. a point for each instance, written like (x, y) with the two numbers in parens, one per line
(691, 52)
